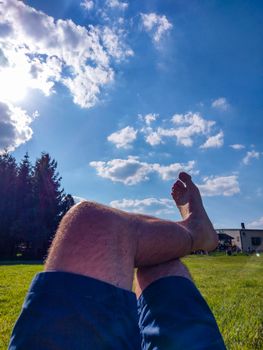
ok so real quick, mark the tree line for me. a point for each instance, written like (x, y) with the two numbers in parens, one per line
(32, 204)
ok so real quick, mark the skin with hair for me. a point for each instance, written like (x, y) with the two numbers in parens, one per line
(106, 243)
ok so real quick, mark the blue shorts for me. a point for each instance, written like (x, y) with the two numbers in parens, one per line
(65, 311)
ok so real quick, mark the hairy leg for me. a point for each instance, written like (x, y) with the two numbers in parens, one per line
(161, 240)
(93, 240)
(106, 243)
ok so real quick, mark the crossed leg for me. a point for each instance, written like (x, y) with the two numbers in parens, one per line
(172, 312)
(105, 243)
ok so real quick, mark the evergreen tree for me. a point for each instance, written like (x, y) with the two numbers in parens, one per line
(49, 201)
(32, 204)
(25, 219)
(68, 202)
(8, 173)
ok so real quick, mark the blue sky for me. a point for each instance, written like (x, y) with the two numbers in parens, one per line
(125, 95)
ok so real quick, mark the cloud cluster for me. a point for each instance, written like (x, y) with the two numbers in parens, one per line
(155, 25)
(152, 206)
(185, 127)
(219, 186)
(132, 171)
(48, 51)
(14, 126)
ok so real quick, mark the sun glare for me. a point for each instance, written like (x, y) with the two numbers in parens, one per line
(13, 85)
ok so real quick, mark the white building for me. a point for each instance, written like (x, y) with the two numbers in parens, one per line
(247, 240)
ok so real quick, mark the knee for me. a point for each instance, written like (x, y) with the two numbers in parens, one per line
(93, 222)
(83, 219)
(84, 230)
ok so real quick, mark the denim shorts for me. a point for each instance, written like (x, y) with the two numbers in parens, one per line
(66, 311)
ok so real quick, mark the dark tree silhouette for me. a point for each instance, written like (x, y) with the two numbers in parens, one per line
(8, 173)
(49, 202)
(31, 206)
(24, 226)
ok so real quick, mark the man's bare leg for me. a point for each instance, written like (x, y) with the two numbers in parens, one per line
(106, 243)
(95, 240)
(188, 200)
(147, 275)
(160, 241)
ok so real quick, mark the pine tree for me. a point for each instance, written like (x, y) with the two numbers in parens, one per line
(8, 173)
(31, 206)
(68, 202)
(25, 219)
(49, 201)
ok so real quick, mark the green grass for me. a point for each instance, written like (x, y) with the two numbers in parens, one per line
(232, 286)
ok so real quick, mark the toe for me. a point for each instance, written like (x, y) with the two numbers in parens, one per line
(186, 178)
(178, 185)
(178, 190)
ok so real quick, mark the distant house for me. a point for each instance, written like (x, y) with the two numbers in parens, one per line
(246, 240)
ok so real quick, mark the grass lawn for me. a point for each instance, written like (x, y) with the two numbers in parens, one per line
(233, 287)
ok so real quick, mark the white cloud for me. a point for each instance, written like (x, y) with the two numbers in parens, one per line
(87, 4)
(220, 103)
(113, 42)
(152, 137)
(128, 171)
(124, 137)
(131, 171)
(186, 127)
(249, 156)
(155, 25)
(171, 171)
(215, 141)
(150, 206)
(220, 186)
(14, 126)
(117, 4)
(45, 51)
(257, 224)
(149, 118)
(237, 146)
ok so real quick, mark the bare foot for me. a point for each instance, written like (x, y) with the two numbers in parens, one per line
(188, 200)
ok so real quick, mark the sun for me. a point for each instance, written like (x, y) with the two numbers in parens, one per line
(14, 84)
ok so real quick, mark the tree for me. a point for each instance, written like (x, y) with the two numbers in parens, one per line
(31, 206)
(24, 227)
(8, 173)
(68, 202)
(50, 203)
